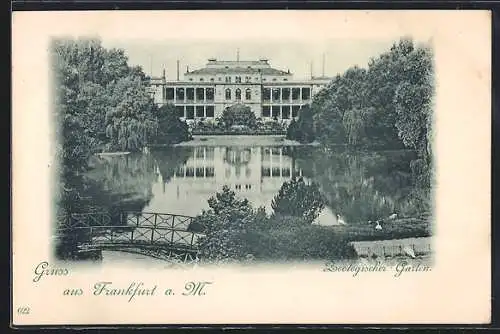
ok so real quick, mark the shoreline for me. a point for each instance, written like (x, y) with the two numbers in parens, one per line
(241, 140)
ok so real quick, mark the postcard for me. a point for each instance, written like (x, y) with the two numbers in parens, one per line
(251, 167)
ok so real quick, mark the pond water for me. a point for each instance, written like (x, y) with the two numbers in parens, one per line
(360, 186)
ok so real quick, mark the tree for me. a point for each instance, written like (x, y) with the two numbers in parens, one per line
(413, 101)
(304, 131)
(170, 128)
(292, 130)
(238, 114)
(224, 226)
(296, 198)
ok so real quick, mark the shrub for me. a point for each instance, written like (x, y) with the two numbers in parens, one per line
(298, 199)
(299, 242)
(224, 226)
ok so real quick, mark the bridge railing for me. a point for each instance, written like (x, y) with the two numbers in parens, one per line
(131, 228)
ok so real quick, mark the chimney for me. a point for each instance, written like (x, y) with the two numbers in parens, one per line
(177, 70)
(187, 69)
(164, 74)
(238, 54)
(311, 69)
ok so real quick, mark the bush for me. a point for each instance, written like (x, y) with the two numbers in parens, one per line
(296, 198)
(233, 230)
(224, 226)
(300, 242)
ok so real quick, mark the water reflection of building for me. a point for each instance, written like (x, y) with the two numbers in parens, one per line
(255, 173)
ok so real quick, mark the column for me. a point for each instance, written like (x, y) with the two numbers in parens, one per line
(175, 95)
(300, 95)
(205, 112)
(281, 162)
(194, 160)
(270, 162)
(205, 95)
(204, 161)
(281, 95)
(185, 94)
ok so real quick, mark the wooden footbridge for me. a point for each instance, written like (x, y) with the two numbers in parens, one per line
(158, 235)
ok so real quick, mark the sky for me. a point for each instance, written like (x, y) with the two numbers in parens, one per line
(296, 55)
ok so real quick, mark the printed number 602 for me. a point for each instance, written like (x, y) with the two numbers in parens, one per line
(23, 310)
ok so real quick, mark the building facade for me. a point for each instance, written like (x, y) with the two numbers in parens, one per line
(205, 93)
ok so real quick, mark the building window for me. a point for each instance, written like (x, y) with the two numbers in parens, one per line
(295, 111)
(266, 94)
(266, 111)
(285, 112)
(306, 93)
(200, 111)
(248, 79)
(169, 93)
(274, 79)
(211, 79)
(264, 79)
(295, 94)
(190, 79)
(237, 79)
(179, 92)
(190, 94)
(180, 111)
(276, 111)
(285, 79)
(190, 112)
(201, 79)
(285, 94)
(179, 172)
(276, 94)
(190, 172)
(228, 79)
(210, 112)
(238, 94)
(220, 78)
(248, 94)
(210, 172)
(199, 152)
(228, 94)
(210, 94)
(200, 94)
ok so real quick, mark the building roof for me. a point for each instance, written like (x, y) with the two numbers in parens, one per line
(239, 70)
(156, 80)
(323, 78)
(238, 62)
